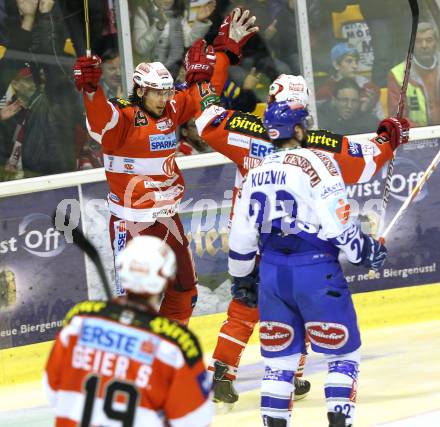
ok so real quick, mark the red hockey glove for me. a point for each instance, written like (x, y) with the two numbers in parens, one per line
(234, 32)
(396, 129)
(199, 62)
(87, 72)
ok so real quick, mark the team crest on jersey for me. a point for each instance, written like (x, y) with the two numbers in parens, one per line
(168, 165)
(325, 140)
(140, 119)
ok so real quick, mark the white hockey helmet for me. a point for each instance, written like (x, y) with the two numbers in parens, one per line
(287, 87)
(153, 75)
(146, 265)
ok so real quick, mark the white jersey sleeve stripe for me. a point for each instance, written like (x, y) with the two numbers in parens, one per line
(110, 125)
(207, 117)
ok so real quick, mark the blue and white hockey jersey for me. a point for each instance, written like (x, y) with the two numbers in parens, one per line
(294, 202)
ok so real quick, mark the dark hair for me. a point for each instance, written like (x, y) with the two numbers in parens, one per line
(179, 7)
(346, 83)
(134, 98)
(109, 54)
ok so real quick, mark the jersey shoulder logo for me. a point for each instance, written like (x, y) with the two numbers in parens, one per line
(85, 307)
(121, 103)
(247, 124)
(325, 140)
(179, 335)
(329, 165)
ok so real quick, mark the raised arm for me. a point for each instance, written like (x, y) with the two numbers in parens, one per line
(102, 115)
(358, 159)
(237, 28)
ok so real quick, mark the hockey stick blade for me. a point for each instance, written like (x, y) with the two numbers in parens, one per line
(80, 240)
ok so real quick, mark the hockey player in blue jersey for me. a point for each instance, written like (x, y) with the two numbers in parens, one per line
(293, 209)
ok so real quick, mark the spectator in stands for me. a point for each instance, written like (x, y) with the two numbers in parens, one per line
(242, 98)
(158, 32)
(343, 114)
(422, 103)
(17, 23)
(281, 35)
(44, 130)
(49, 32)
(111, 81)
(161, 32)
(389, 34)
(197, 23)
(102, 24)
(345, 61)
(190, 141)
(3, 24)
(349, 24)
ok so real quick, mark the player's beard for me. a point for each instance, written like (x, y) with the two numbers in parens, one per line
(154, 114)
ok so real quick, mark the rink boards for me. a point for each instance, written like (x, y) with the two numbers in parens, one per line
(43, 275)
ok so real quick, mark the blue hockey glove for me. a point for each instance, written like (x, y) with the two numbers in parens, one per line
(373, 253)
(245, 289)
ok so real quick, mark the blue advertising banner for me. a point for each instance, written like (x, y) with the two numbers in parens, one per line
(413, 249)
(41, 275)
(204, 213)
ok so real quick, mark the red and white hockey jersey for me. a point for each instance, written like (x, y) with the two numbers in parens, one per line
(139, 150)
(243, 139)
(112, 365)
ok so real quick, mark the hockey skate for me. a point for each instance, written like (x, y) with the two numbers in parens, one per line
(302, 388)
(336, 419)
(223, 387)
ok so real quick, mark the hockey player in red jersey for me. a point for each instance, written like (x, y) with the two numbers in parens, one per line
(138, 140)
(243, 139)
(121, 363)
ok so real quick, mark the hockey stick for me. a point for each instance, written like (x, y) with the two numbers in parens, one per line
(87, 26)
(416, 190)
(80, 240)
(400, 106)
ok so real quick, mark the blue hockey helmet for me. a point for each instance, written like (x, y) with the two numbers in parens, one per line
(280, 119)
